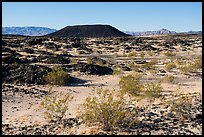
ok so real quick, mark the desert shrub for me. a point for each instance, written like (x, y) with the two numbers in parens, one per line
(169, 54)
(132, 54)
(116, 54)
(108, 110)
(150, 65)
(74, 60)
(154, 71)
(134, 66)
(142, 55)
(169, 78)
(56, 105)
(96, 60)
(170, 66)
(57, 76)
(198, 62)
(131, 84)
(181, 107)
(192, 66)
(186, 68)
(110, 62)
(150, 53)
(152, 89)
(89, 60)
(117, 71)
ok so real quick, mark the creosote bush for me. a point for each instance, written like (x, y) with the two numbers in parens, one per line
(170, 66)
(150, 53)
(132, 54)
(181, 107)
(142, 55)
(117, 70)
(191, 66)
(57, 76)
(169, 54)
(168, 78)
(55, 105)
(96, 60)
(132, 84)
(150, 65)
(108, 110)
(153, 89)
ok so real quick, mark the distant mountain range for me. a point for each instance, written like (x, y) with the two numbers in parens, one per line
(161, 31)
(81, 30)
(89, 31)
(27, 31)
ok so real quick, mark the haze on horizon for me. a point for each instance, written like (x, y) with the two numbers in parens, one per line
(126, 16)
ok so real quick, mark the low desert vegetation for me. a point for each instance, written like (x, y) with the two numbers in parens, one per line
(57, 76)
(133, 66)
(198, 62)
(142, 55)
(152, 89)
(192, 66)
(169, 54)
(108, 110)
(74, 60)
(150, 53)
(132, 54)
(150, 65)
(181, 107)
(95, 60)
(117, 70)
(55, 105)
(170, 65)
(168, 79)
(89, 60)
(132, 84)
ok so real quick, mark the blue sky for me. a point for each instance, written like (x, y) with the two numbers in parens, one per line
(126, 16)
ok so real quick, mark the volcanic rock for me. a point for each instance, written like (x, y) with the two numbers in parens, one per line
(92, 69)
(93, 31)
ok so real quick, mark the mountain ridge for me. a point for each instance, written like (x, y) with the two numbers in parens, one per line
(27, 31)
(158, 32)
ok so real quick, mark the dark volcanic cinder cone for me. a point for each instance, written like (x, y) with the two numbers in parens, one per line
(89, 31)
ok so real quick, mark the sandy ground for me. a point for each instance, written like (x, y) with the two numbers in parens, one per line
(25, 110)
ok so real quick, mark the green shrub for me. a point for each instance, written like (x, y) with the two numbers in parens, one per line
(186, 68)
(198, 62)
(74, 60)
(132, 54)
(142, 55)
(131, 84)
(95, 60)
(108, 110)
(56, 105)
(170, 66)
(150, 53)
(89, 60)
(57, 76)
(192, 66)
(150, 65)
(169, 78)
(117, 70)
(152, 89)
(169, 54)
(134, 66)
(181, 107)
